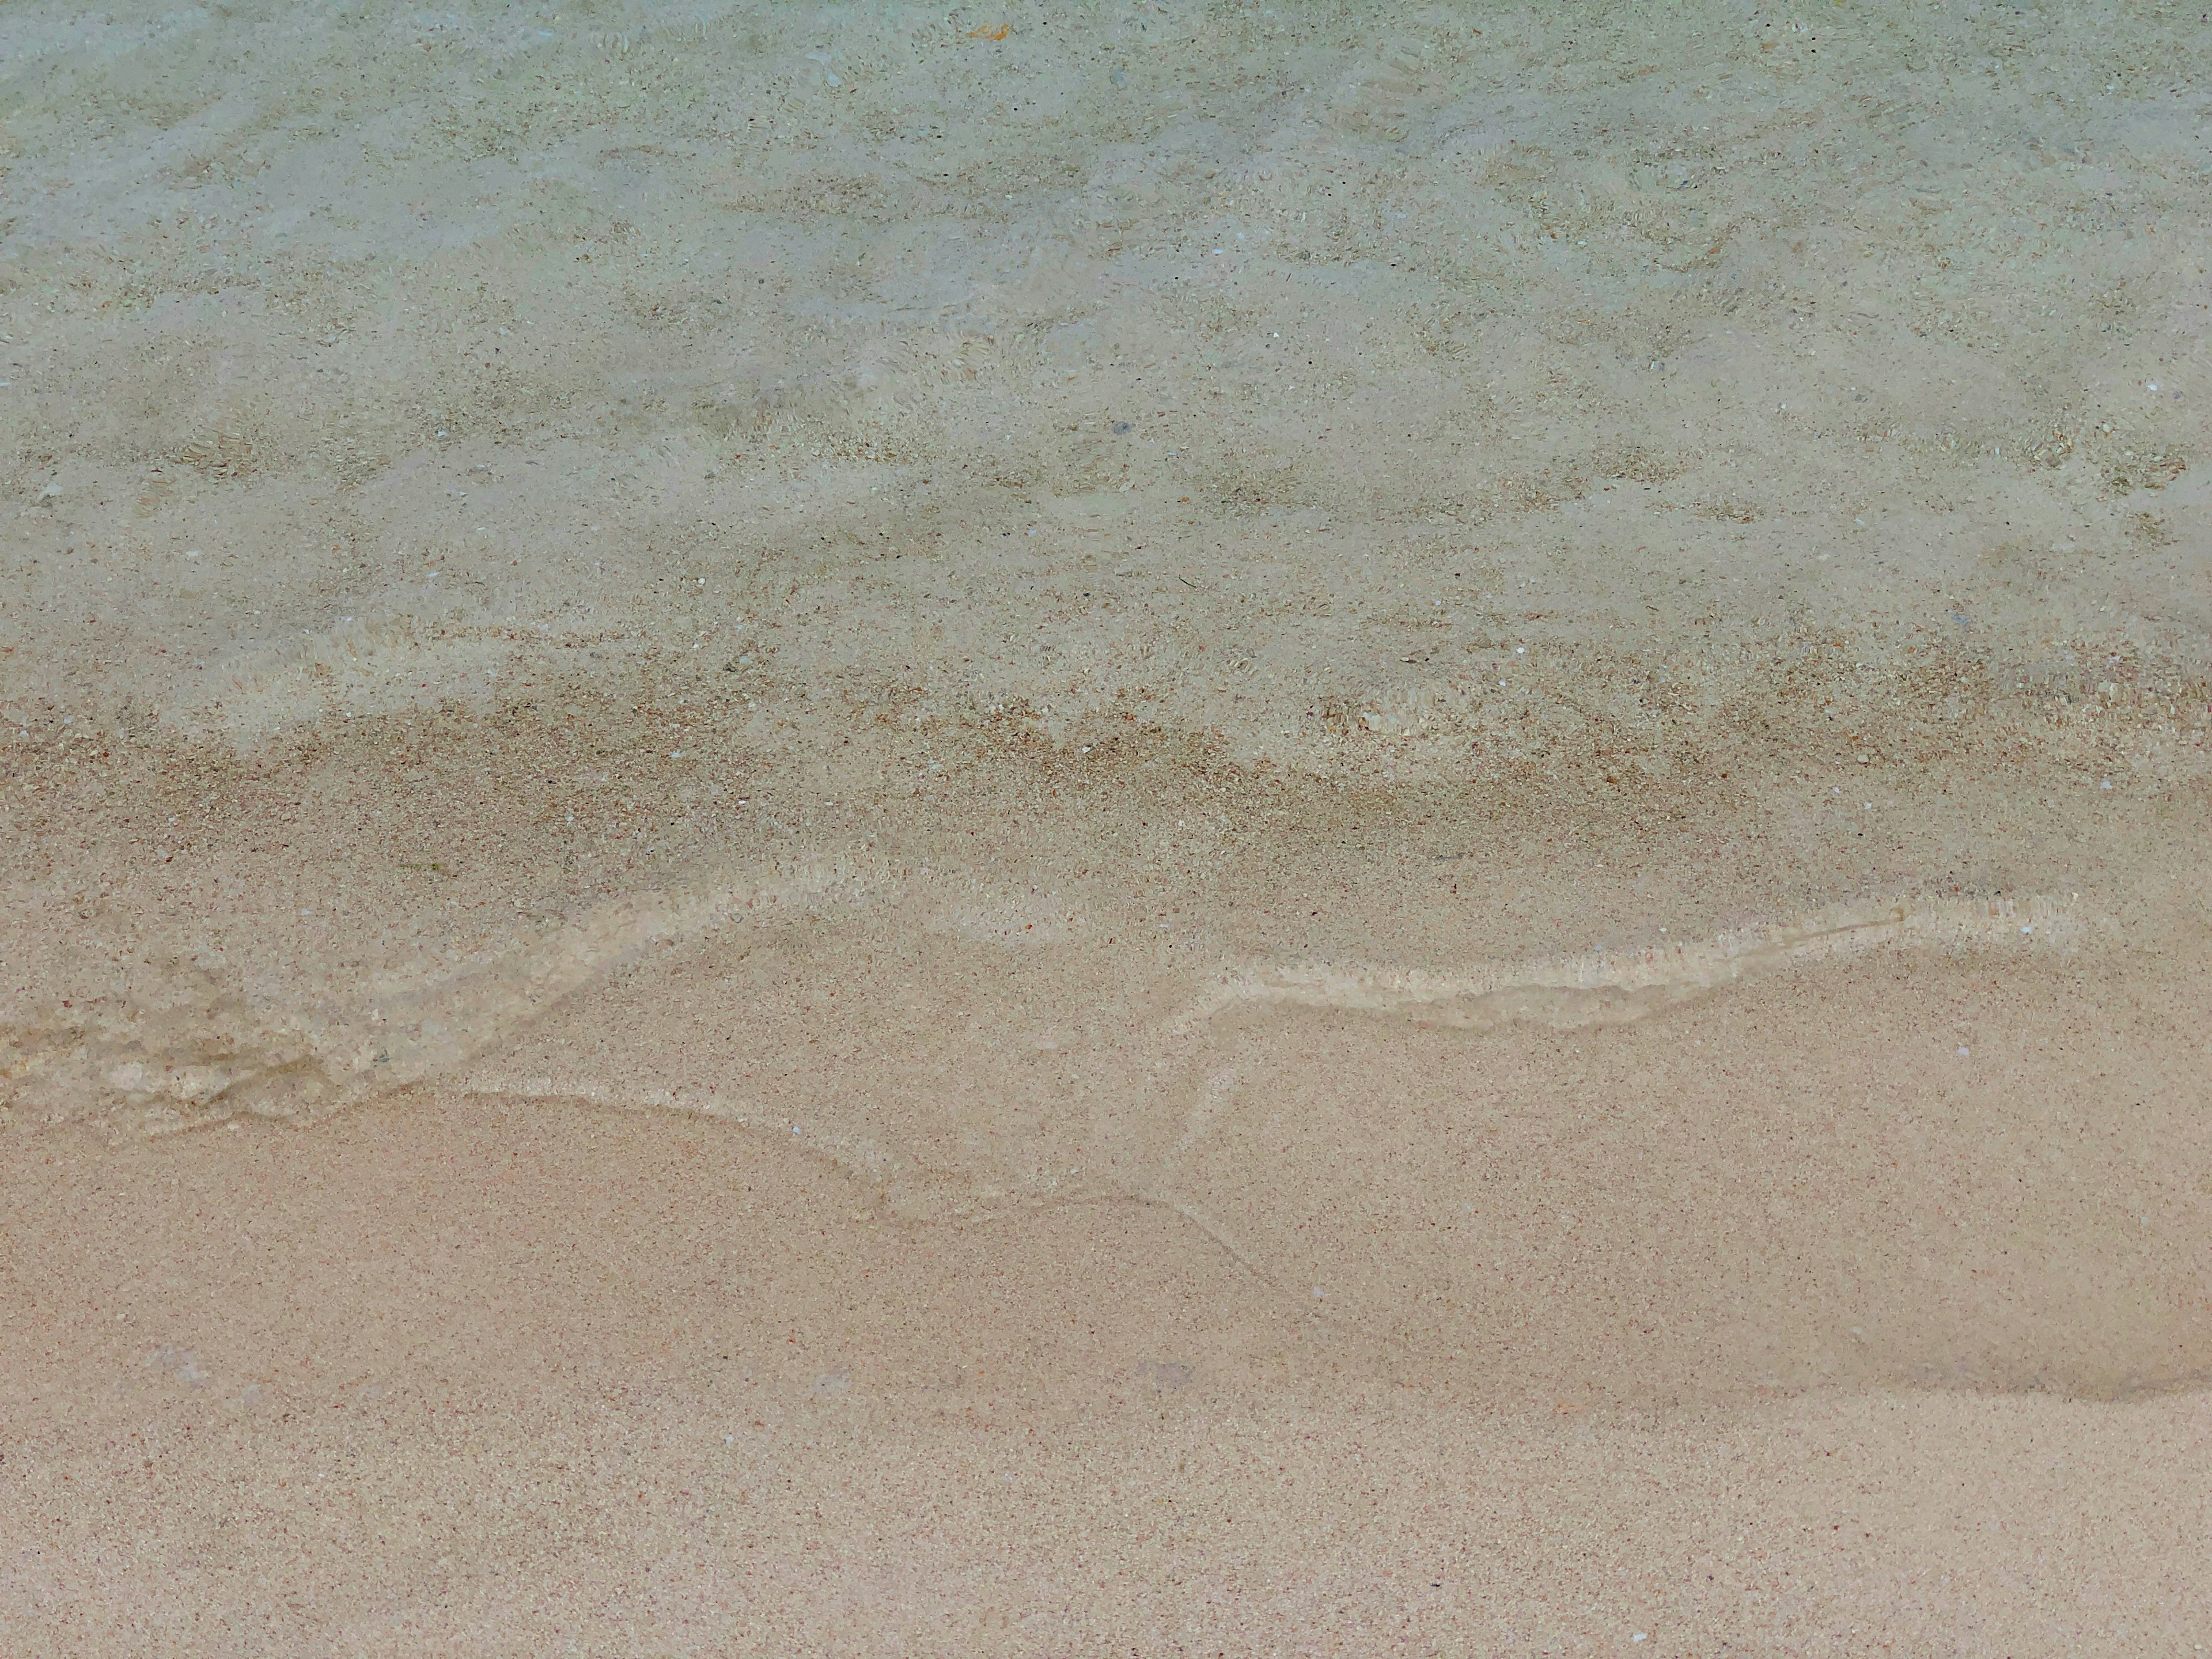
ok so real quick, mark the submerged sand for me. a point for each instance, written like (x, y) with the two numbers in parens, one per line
(1219, 829)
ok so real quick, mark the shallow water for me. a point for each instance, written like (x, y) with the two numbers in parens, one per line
(1081, 747)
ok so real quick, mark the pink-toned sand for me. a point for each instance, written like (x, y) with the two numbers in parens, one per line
(1218, 830)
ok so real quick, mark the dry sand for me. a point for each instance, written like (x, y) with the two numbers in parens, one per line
(1105, 828)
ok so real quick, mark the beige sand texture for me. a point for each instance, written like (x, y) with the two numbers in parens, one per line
(1105, 828)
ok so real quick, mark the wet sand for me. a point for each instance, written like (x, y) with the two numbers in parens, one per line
(460, 1376)
(1235, 831)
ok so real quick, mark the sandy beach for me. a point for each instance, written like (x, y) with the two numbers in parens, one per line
(1211, 830)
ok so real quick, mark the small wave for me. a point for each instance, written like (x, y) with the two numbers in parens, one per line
(206, 1054)
(203, 1058)
(1601, 986)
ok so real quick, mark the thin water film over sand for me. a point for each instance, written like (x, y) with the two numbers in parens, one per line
(1179, 829)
